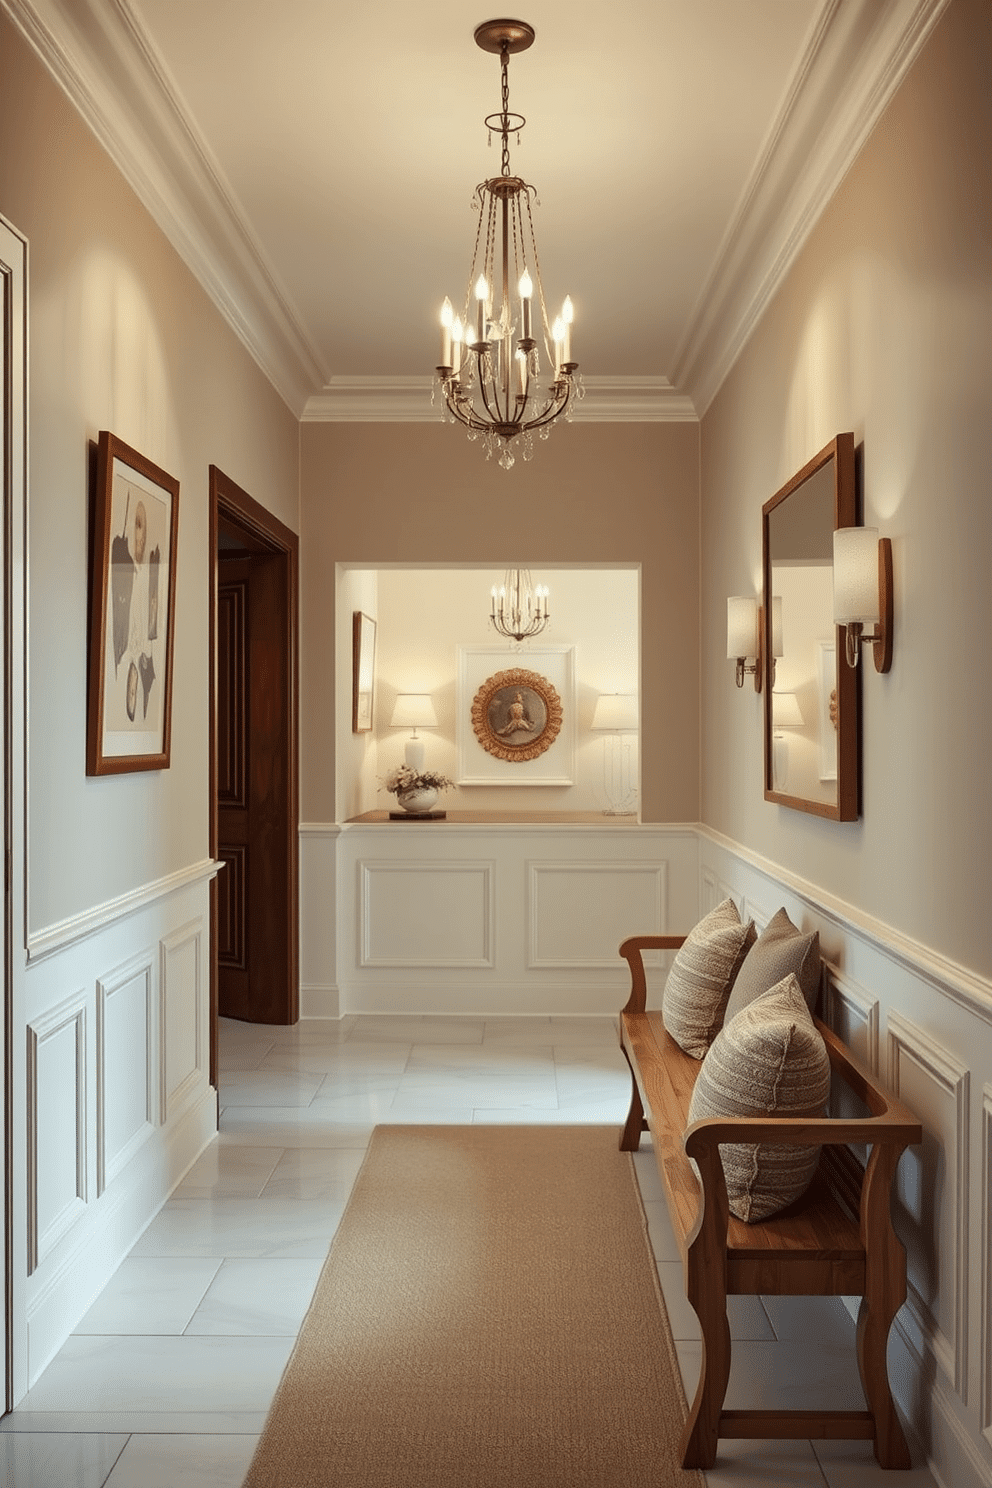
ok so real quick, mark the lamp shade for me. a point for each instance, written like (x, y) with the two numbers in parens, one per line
(615, 712)
(742, 626)
(413, 710)
(856, 576)
(786, 712)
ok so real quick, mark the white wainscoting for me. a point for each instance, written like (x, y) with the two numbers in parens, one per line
(490, 919)
(925, 1024)
(115, 1093)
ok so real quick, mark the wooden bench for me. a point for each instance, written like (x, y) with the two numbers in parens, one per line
(837, 1240)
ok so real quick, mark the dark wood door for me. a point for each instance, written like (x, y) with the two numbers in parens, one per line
(255, 838)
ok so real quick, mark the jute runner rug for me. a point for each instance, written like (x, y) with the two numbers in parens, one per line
(488, 1317)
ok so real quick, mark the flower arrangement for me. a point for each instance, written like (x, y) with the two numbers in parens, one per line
(403, 779)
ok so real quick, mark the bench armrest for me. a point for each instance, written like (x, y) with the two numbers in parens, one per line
(632, 952)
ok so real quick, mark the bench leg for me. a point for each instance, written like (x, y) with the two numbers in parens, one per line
(630, 1137)
(885, 1292)
(702, 1429)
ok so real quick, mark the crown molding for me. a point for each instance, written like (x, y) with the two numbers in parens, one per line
(857, 54)
(408, 400)
(100, 56)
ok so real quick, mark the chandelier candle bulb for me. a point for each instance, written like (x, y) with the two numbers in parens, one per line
(447, 315)
(481, 296)
(526, 290)
(457, 337)
(567, 316)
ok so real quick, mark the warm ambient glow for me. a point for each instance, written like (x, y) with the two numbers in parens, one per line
(500, 390)
(863, 592)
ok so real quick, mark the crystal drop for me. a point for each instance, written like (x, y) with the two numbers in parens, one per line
(506, 459)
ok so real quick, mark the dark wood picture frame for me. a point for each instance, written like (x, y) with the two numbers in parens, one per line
(134, 537)
(362, 672)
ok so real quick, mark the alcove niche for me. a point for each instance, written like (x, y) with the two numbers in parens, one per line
(427, 620)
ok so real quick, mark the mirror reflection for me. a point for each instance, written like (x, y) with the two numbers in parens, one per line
(811, 719)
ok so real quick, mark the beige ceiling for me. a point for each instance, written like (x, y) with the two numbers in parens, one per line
(315, 162)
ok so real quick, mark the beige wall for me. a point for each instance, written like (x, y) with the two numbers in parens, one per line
(122, 338)
(883, 327)
(594, 494)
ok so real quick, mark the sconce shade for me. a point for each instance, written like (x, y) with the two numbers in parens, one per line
(786, 712)
(413, 710)
(616, 712)
(742, 626)
(856, 576)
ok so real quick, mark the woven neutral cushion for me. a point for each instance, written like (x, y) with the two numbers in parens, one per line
(702, 975)
(778, 950)
(768, 1060)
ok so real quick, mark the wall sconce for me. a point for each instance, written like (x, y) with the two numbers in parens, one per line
(413, 710)
(616, 713)
(863, 592)
(744, 638)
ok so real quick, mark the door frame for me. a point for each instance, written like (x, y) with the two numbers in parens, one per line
(232, 506)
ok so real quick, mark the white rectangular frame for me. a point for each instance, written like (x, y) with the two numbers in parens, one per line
(476, 766)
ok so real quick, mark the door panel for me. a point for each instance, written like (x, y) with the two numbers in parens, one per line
(255, 839)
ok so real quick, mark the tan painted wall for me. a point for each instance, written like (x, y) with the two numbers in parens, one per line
(884, 327)
(122, 338)
(594, 494)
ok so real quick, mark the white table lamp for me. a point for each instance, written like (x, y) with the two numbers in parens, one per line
(413, 710)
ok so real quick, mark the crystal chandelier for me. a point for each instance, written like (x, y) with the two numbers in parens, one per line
(490, 372)
(518, 610)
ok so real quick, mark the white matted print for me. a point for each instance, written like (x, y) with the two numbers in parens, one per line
(516, 716)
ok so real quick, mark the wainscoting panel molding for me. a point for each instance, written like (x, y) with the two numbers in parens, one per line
(508, 917)
(925, 1023)
(57, 1126)
(934, 1084)
(126, 1067)
(183, 1016)
(578, 913)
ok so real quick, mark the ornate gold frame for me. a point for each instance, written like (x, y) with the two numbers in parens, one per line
(500, 742)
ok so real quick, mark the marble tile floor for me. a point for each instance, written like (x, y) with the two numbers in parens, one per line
(166, 1381)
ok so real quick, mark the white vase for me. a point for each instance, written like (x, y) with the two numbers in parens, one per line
(417, 801)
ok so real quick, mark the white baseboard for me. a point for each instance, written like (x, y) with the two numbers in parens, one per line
(120, 1217)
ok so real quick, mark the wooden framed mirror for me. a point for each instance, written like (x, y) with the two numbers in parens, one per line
(812, 697)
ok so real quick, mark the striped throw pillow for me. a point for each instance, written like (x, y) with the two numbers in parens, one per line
(702, 975)
(768, 1060)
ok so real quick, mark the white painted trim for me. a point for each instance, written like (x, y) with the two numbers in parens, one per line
(368, 868)
(69, 932)
(906, 1040)
(963, 986)
(413, 400)
(857, 54)
(840, 988)
(319, 829)
(106, 986)
(545, 867)
(563, 995)
(106, 63)
(189, 934)
(72, 1011)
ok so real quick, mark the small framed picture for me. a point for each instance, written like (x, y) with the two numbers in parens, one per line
(132, 612)
(363, 673)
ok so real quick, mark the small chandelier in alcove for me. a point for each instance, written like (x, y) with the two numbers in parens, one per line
(519, 609)
(490, 371)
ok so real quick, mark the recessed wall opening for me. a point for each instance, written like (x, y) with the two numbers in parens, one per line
(433, 636)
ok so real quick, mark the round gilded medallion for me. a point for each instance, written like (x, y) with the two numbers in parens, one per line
(516, 714)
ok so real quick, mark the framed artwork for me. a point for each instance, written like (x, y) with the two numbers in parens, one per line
(132, 612)
(516, 723)
(363, 672)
